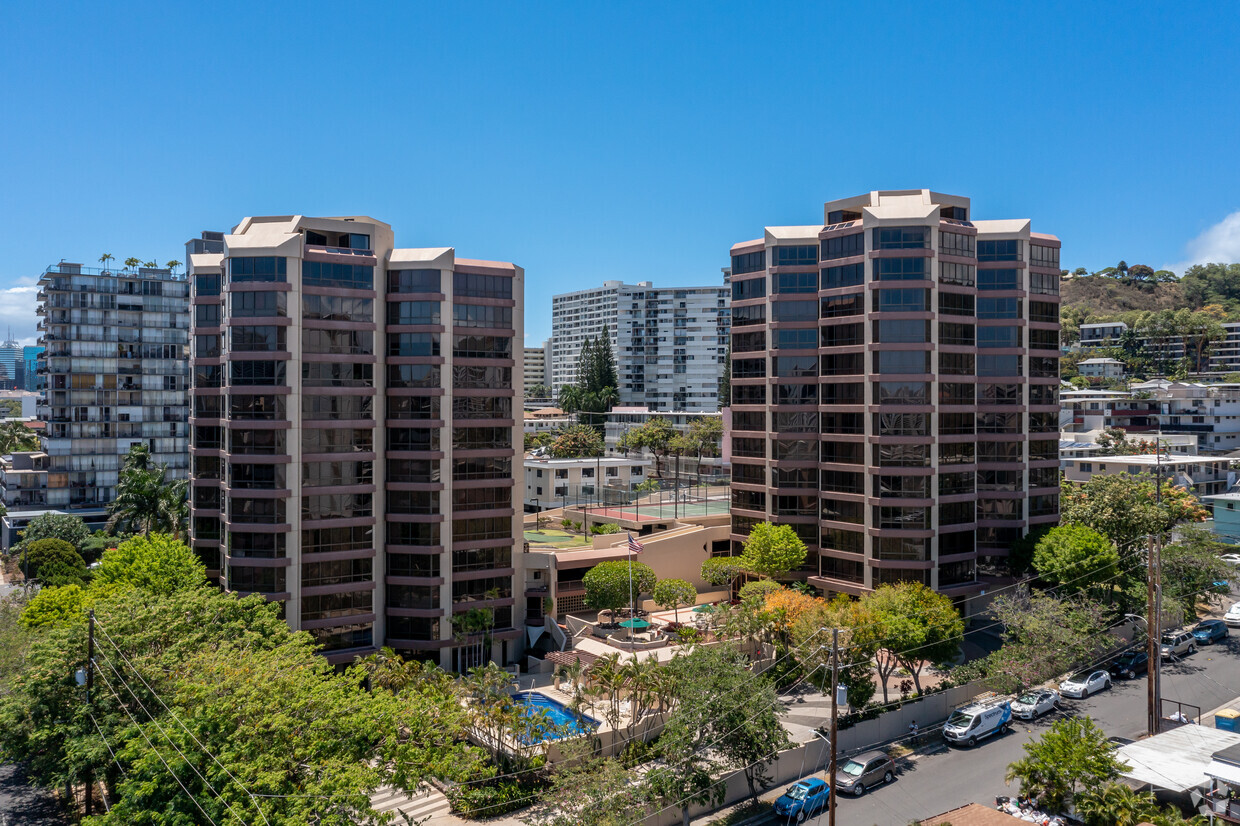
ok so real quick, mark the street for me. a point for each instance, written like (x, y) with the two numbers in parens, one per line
(24, 805)
(947, 778)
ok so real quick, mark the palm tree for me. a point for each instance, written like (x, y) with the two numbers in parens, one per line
(173, 264)
(1115, 805)
(105, 258)
(570, 398)
(132, 263)
(146, 500)
(16, 437)
(154, 265)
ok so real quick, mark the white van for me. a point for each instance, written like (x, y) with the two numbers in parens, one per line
(977, 721)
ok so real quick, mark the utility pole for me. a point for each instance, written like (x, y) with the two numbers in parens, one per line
(835, 690)
(90, 686)
(1151, 646)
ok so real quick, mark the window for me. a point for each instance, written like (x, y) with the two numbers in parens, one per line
(1008, 250)
(1044, 340)
(956, 424)
(902, 487)
(337, 440)
(748, 368)
(798, 256)
(849, 275)
(749, 421)
(472, 285)
(1043, 423)
(901, 301)
(481, 407)
(208, 375)
(795, 394)
(1043, 505)
(901, 392)
(257, 269)
(956, 304)
(998, 279)
(255, 339)
(843, 246)
(1042, 450)
(842, 305)
(1043, 284)
(901, 238)
(837, 393)
(1044, 477)
(796, 339)
(262, 407)
(749, 342)
(749, 262)
(890, 517)
(954, 393)
(842, 335)
(336, 374)
(843, 364)
(749, 287)
(999, 480)
(413, 344)
(842, 481)
(1040, 256)
(998, 337)
(998, 394)
(413, 312)
(337, 408)
(335, 308)
(842, 453)
(960, 453)
(951, 273)
(261, 304)
(479, 377)
(323, 474)
(953, 484)
(998, 423)
(901, 455)
(793, 310)
(338, 342)
(413, 281)
(988, 365)
(1041, 367)
(998, 307)
(902, 332)
(900, 548)
(842, 422)
(749, 448)
(207, 315)
(206, 284)
(901, 424)
(957, 513)
(838, 539)
(476, 315)
(748, 394)
(901, 269)
(795, 366)
(795, 282)
(902, 361)
(481, 438)
(422, 471)
(256, 372)
(206, 347)
(1001, 451)
(348, 276)
(838, 510)
(1043, 311)
(957, 243)
(413, 375)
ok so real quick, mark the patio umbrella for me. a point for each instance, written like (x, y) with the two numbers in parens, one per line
(635, 623)
(704, 609)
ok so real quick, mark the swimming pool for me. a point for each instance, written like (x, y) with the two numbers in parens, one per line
(559, 714)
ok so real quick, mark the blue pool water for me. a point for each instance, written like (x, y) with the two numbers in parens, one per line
(557, 712)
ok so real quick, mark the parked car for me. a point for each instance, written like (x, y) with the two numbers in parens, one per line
(863, 771)
(1233, 559)
(804, 798)
(1210, 631)
(1084, 683)
(1178, 644)
(1232, 617)
(1033, 704)
(977, 721)
(1130, 664)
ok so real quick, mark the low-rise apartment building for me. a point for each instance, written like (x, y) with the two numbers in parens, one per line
(549, 482)
(1202, 475)
(1101, 368)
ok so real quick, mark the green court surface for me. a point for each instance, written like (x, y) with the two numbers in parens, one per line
(664, 510)
(556, 539)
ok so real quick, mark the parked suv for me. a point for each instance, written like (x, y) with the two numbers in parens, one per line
(1130, 664)
(1177, 644)
(865, 770)
(1210, 631)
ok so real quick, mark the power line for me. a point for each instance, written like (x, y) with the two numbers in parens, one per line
(207, 751)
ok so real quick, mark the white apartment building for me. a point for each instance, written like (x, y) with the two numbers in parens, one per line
(535, 360)
(1201, 475)
(548, 481)
(1101, 368)
(547, 419)
(1102, 333)
(670, 343)
(1209, 412)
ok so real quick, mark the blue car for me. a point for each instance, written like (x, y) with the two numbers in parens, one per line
(1210, 631)
(804, 799)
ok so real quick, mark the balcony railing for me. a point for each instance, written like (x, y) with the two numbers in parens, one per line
(338, 250)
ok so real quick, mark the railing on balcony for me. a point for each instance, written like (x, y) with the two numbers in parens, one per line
(338, 250)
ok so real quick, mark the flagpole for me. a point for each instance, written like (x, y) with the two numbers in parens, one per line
(632, 611)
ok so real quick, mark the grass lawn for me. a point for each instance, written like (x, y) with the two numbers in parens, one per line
(556, 538)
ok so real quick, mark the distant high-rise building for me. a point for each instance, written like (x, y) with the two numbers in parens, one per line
(895, 381)
(354, 438)
(116, 369)
(669, 343)
(28, 375)
(535, 368)
(10, 362)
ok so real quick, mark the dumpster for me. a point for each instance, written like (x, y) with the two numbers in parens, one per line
(1228, 720)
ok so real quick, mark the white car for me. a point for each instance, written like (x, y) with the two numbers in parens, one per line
(1085, 683)
(1033, 704)
(1233, 559)
(1232, 617)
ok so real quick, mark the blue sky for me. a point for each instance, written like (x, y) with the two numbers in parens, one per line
(590, 141)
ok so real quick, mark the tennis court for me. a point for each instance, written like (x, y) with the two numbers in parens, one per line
(659, 511)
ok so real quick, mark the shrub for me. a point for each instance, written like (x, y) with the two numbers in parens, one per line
(55, 562)
(56, 526)
(486, 801)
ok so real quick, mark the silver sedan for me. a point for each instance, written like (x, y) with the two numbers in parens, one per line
(1033, 704)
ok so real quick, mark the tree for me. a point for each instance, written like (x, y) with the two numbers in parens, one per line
(16, 436)
(705, 435)
(105, 259)
(1114, 441)
(814, 654)
(156, 563)
(538, 391)
(584, 790)
(1200, 332)
(132, 263)
(55, 562)
(570, 398)
(1073, 754)
(1020, 555)
(907, 625)
(50, 607)
(1115, 804)
(56, 526)
(656, 435)
(610, 585)
(773, 550)
(1122, 507)
(1044, 635)
(1076, 558)
(758, 590)
(722, 571)
(146, 500)
(173, 264)
(577, 441)
(673, 593)
(1191, 566)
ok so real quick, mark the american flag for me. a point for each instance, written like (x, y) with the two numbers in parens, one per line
(634, 545)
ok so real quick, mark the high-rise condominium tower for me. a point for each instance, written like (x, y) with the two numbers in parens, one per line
(116, 371)
(669, 343)
(895, 376)
(354, 435)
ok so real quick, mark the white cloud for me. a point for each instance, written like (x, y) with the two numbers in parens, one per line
(17, 305)
(1219, 244)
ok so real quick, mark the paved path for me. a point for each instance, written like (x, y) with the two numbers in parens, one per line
(429, 805)
(24, 805)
